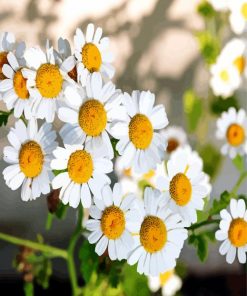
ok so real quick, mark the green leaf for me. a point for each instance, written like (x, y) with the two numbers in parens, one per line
(220, 104)
(209, 46)
(202, 248)
(4, 117)
(192, 108)
(210, 235)
(28, 289)
(238, 161)
(114, 144)
(114, 274)
(61, 211)
(212, 159)
(206, 10)
(57, 172)
(89, 260)
(220, 204)
(43, 272)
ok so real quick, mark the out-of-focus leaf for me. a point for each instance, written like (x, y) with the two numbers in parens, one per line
(57, 172)
(209, 46)
(205, 9)
(114, 144)
(61, 211)
(89, 260)
(201, 244)
(4, 117)
(211, 159)
(239, 162)
(220, 104)
(43, 272)
(192, 108)
(220, 204)
(28, 289)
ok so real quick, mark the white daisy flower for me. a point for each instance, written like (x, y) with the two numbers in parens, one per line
(175, 137)
(89, 115)
(225, 78)
(14, 87)
(169, 282)
(7, 44)
(232, 127)
(109, 224)
(184, 184)
(219, 5)
(45, 81)
(82, 173)
(92, 54)
(140, 144)
(233, 231)
(29, 156)
(238, 16)
(160, 235)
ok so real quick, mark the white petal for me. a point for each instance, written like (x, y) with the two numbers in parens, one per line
(231, 254)
(101, 245)
(86, 199)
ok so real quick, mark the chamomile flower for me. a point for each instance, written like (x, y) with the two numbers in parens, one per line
(175, 137)
(232, 128)
(233, 231)
(238, 16)
(159, 235)
(7, 44)
(83, 173)
(92, 54)
(14, 87)
(45, 80)
(109, 226)
(225, 78)
(30, 154)
(90, 113)
(184, 185)
(169, 282)
(140, 144)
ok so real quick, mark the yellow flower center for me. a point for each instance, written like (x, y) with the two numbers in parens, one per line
(80, 166)
(164, 277)
(91, 57)
(240, 63)
(244, 10)
(235, 134)
(49, 80)
(224, 75)
(237, 232)
(113, 222)
(31, 159)
(150, 174)
(73, 74)
(172, 145)
(140, 131)
(20, 85)
(153, 234)
(3, 60)
(180, 189)
(127, 172)
(92, 118)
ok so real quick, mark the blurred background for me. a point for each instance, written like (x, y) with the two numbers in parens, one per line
(155, 48)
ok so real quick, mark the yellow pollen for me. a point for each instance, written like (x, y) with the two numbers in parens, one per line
(240, 63)
(172, 145)
(49, 80)
(150, 174)
(164, 277)
(235, 134)
(153, 234)
(31, 159)
(244, 10)
(113, 222)
(180, 189)
(80, 166)
(127, 172)
(224, 75)
(140, 131)
(237, 232)
(20, 85)
(3, 60)
(92, 118)
(73, 74)
(91, 57)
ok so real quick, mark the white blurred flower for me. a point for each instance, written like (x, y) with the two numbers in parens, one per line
(219, 5)
(238, 16)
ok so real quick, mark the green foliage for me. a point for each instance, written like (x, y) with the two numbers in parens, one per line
(193, 109)
(220, 104)
(89, 260)
(114, 275)
(114, 144)
(201, 244)
(133, 283)
(206, 10)
(57, 172)
(209, 46)
(220, 204)
(61, 211)
(4, 117)
(28, 289)
(239, 163)
(212, 159)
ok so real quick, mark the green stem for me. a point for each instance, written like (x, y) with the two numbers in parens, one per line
(56, 252)
(203, 223)
(233, 193)
(71, 264)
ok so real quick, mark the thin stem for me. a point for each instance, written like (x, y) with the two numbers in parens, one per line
(56, 252)
(240, 180)
(203, 223)
(71, 264)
